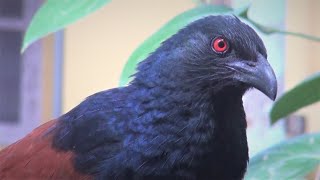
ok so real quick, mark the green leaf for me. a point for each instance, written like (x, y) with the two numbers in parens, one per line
(296, 34)
(165, 32)
(271, 30)
(56, 14)
(304, 94)
(198, 2)
(291, 159)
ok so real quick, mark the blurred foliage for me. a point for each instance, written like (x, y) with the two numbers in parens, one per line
(291, 159)
(54, 15)
(304, 94)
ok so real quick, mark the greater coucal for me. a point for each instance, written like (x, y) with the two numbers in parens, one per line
(181, 117)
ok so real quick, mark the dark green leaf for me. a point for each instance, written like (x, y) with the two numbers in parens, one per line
(304, 94)
(165, 32)
(291, 159)
(56, 14)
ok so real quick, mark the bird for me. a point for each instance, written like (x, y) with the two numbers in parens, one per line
(180, 118)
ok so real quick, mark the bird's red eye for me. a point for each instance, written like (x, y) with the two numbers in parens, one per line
(220, 45)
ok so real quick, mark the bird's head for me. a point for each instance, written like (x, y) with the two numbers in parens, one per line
(214, 53)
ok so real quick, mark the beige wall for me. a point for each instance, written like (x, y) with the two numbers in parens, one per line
(97, 47)
(302, 56)
(47, 78)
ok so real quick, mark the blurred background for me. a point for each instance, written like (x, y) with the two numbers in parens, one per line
(59, 71)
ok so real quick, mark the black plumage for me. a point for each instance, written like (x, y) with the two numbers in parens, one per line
(181, 117)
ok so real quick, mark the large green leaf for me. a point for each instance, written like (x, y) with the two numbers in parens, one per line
(291, 159)
(165, 32)
(56, 14)
(304, 94)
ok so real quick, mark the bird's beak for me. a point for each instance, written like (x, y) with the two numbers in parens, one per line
(258, 74)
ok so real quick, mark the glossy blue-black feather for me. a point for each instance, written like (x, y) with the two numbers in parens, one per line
(180, 118)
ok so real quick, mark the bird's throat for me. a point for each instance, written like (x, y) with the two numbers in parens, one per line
(230, 140)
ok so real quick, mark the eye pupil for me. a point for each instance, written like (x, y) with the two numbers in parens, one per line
(220, 45)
